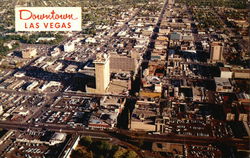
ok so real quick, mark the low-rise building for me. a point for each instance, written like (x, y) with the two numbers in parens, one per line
(143, 117)
(29, 53)
(223, 85)
(32, 85)
(226, 72)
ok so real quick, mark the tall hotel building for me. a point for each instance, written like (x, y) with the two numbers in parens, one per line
(102, 72)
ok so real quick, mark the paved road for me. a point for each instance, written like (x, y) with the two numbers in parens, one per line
(240, 143)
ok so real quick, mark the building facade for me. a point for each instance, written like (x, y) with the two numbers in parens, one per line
(216, 52)
(102, 72)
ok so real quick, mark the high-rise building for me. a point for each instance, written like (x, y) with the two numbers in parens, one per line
(122, 63)
(216, 52)
(69, 47)
(171, 2)
(29, 53)
(1, 109)
(102, 72)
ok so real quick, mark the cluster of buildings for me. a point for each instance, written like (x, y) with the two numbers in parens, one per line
(104, 63)
(187, 87)
(114, 71)
(184, 150)
(19, 108)
(82, 113)
(34, 143)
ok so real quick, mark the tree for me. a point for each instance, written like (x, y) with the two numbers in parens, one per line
(119, 153)
(106, 146)
(86, 141)
(77, 154)
(80, 153)
(131, 154)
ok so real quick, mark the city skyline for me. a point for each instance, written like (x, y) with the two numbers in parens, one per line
(142, 79)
